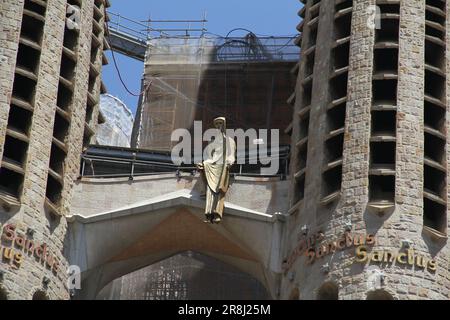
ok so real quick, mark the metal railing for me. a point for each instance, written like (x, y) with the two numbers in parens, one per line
(146, 29)
(171, 40)
(107, 162)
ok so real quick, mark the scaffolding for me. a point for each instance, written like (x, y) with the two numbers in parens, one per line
(207, 49)
(130, 37)
(186, 276)
(246, 79)
(192, 75)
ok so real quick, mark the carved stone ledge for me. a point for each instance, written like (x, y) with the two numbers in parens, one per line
(8, 202)
(435, 234)
(381, 208)
(51, 208)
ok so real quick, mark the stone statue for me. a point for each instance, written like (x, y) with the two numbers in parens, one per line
(216, 171)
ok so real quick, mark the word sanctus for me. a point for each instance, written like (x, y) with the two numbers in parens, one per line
(347, 240)
(18, 246)
(386, 256)
(301, 248)
(308, 247)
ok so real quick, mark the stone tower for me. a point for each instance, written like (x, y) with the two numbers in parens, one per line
(370, 152)
(51, 54)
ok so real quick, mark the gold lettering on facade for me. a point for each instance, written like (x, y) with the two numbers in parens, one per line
(14, 246)
(410, 257)
(313, 248)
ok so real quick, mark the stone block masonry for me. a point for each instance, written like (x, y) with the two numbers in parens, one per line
(35, 59)
(394, 179)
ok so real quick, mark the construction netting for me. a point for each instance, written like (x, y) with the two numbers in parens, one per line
(248, 80)
(215, 49)
(186, 276)
(118, 125)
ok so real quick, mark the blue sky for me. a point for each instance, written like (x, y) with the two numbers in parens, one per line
(265, 17)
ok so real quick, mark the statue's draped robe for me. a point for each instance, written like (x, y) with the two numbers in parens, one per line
(217, 173)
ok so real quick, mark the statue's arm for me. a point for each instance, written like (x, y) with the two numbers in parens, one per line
(200, 166)
(231, 157)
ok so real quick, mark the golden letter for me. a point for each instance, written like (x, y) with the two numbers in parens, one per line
(29, 246)
(432, 265)
(411, 257)
(8, 253)
(9, 232)
(18, 259)
(322, 251)
(421, 261)
(361, 254)
(19, 242)
(311, 254)
(377, 256)
(400, 258)
(370, 239)
(348, 239)
(320, 236)
(359, 240)
(388, 256)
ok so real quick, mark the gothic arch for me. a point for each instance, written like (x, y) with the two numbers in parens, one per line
(183, 276)
(328, 291)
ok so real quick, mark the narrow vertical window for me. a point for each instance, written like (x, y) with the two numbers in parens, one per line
(21, 110)
(383, 139)
(63, 115)
(312, 12)
(435, 171)
(98, 22)
(334, 141)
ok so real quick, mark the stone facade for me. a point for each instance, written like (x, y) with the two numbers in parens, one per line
(43, 57)
(112, 215)
(390, 108)
(94, 196)
(369, 161)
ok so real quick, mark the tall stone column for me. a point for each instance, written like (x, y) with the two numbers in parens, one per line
(45, 64)
(388, 205)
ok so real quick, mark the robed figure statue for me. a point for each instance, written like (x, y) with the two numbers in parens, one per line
(216, 171)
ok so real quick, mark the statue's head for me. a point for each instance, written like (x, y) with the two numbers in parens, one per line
(220, 123)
